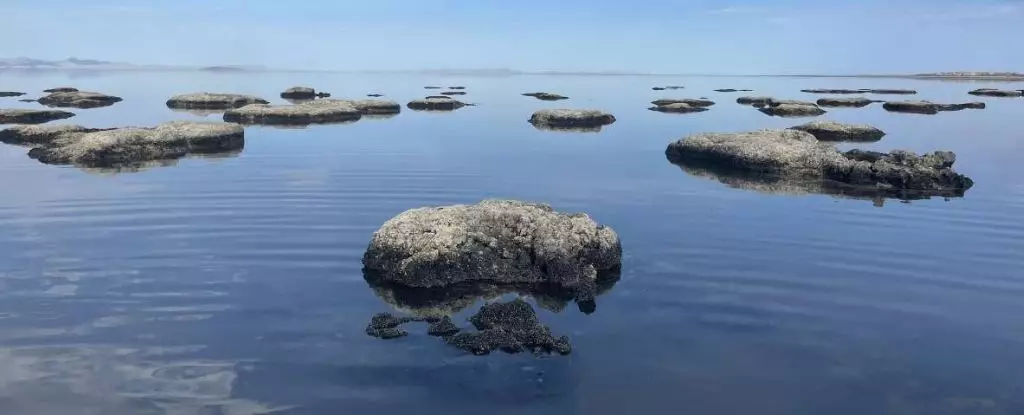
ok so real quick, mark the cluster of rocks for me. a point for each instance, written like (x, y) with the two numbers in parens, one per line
(512, 327)
(991, 92)
(571, 119)
(31, 116)
(681, 106)
(124, 147)
(213, 101)
(797, 159)
(928, 107)
(545, 96)
(78, 99)
(303, 93)
(436, 103)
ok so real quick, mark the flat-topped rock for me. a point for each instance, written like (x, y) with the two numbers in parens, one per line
(41, 135)
(754, 100)
(678, 108)
(435, 103)
(545, 96)
(500, 241)
(990, 92)
(366, 106)
(891, 91)
(733, 90)
(78, 99)
(688, 101)
(60, 89)
(834, 91)
(129, 146)
(7, 94)
(31, 116)
(852, 102)
(431, 87)
(315, 112)
(672, 87)
(303, 92)
(374, 95)
(658, 88)
(837, 131)
(928, 107)
(569, 118)
(453, 93)
(791, 109)
(797, 155)
(213, 101)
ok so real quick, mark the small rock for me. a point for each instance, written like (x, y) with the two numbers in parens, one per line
(569, 118)
(835, 91)
(453, 93)
(442, 327)
(763, 101)
(456, 87)
(299, 92)
(853, 102)
(511, 327)
(672, 87)
(678, 108)
(386, 326)
(79, 99)
(703, 102)
(315, 112)
(61, 89)
(733, 90)
(990, 92)
(836, 131)
(431, 87)
(658, 88)
(213, 101)
(26, 100)
(545, 96)
(5, 94)
(435, 103)
(32, 116)
(928, 107)
(791, 109)
(892, 91)
(374, 95)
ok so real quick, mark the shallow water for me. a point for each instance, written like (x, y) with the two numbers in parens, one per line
(233, 285)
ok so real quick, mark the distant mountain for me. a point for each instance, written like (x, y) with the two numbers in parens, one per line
(73, 63)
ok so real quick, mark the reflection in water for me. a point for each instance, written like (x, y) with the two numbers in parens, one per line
(797, 185)
(545, 127)
(197, 112)
(152, 164)
(299, 101)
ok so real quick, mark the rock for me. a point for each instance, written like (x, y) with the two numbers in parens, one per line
(374, 95)
(131, 146)
(791, 109)
(763, 101)
(299, 92)
(733, 90)
(456, 87)
(673, 87)
(26, 100)
(569, 118)
(500, 241)
(836, 131)
(797, 156)
(432, 87)
(5, 94)
(854, 102)
(990, 92)
(658, 88)
(366, 106)
(687, 101)
(928, 107)
(511, 327)
(386, 326)
(678, 108)
(213, 101)
(453, 93)
(60, 89)
(79, 99)
(31, 116)
(316, 112)
(442, 327)
(835, 91)
(435, 103)
(40, 135)
(892, 91)
(545, 96)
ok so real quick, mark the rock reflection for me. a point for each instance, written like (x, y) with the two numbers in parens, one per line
(552, 128)
(154, 164)
(198, 112)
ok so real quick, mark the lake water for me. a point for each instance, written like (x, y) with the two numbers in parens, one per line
(233, 285)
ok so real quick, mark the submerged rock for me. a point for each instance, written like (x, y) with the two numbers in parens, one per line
(571, 118)
(990, 92)
(134, 146)
(31, 116)
(511, 327)
(797, 157)
(688, 101)
(386, 326)
(545, 96)
(928, 107)
(79, 99)
(453, 93)
(892, 91)
(853, 102)
(762, 101)
(315, 112)
(60, 89)
(5, 94)
(213, 101)
(788, 108)
(837, 131)
(678, 108)
(435, 103)
(26, 100)
(835, 91)
(366, 106)
(41, 135)
(733, 90)
(442, 327)
(500, 241)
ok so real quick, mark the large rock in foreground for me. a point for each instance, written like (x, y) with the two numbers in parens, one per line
(798, 156)
(837, 131)
(500, 241)
(688, 101)
(31, 116)
(132, 146)
(928, 107)
(851, 102)
(436, 103)
(990, 92)
(213, 101)
(571, 118)
(79, 99)
(315, 112)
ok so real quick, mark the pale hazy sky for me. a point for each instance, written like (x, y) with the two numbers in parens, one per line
(678, 36)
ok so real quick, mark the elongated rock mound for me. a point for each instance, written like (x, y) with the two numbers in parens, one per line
(79, 99)
(6, 94)
(31, 116)
(503, 241)
(990, 92)
(787, 109)
(834, 91)
(545, 96)
(570, 118)
(60, 89)
(299, 92)
(688, 101)
(798, 155)
(678, 108)
(757, 101)
(837, 131)
(733, 90)
(213, 101)
(891, 91)
(851, 102)
(928, 107)
(131, 146)
(453, 93)
(315, 112)
(365, 106)
(435, 103)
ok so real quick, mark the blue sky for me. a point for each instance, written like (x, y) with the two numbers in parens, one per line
(676, 36)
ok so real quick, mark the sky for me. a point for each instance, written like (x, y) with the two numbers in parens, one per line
(647, 36)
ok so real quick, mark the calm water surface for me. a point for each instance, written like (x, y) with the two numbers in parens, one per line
(233, 285)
